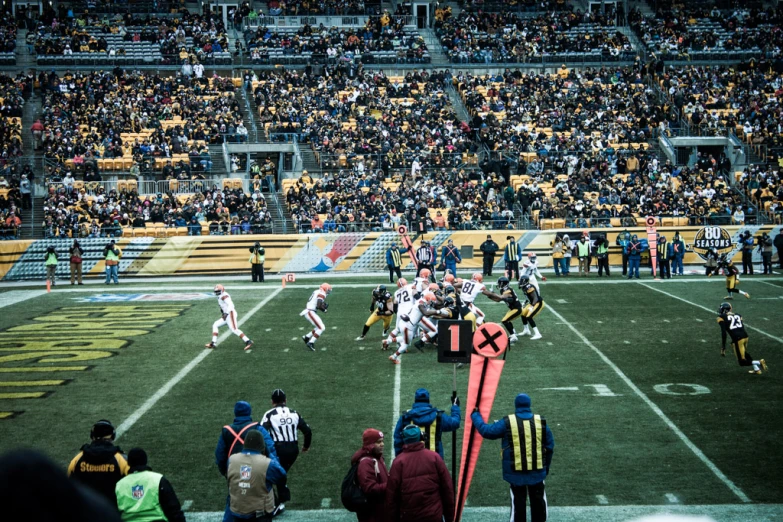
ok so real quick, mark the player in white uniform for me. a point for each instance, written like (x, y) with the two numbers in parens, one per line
(530, 269)
(228, 318)
(469, 290)
(422, 283)
(403, 304)
(411, 322)
(316, 302)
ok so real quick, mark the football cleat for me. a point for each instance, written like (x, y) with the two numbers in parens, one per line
(360, 338)
(755, 372)
(728, 297)
(747, 295)
(248, 344)
(386, 332)
(305, 339)
(537, 336)
(384, 346)
(210, 345)
(764, 365)
(311, 346)
(526, 331)
(513, 338)
(394, 359)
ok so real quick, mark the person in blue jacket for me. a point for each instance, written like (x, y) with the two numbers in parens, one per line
(634, 250)
(450, 256)
(432, 422)
(232, 440)
(525, 474)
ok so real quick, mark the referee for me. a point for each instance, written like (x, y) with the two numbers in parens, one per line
(425, 258)
(282, 424)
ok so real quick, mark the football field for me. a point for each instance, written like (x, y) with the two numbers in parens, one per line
(646, 414)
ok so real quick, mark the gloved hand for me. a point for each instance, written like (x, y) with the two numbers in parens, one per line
(455, 401)
(405, 317)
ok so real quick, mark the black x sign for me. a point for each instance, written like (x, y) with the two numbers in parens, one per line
(490, 339)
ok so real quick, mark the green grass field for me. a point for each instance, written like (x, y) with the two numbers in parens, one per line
(644, 410)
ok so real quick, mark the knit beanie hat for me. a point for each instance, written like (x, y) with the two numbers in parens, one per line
(371, 436)
(422, 395)
(522, 401)
(137, 457)
(242, 409)
(254, 441)
(411, 434)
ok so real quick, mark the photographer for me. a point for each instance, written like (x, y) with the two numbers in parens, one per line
(765, 247)
(747, 243)
(111, 255)
(602, 255)
(77, 253)
(257, 258)
(50, 261)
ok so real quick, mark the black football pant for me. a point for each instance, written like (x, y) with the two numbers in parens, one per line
(257, 272)
(603, 264)
(747, 262)
(287, 453)
(488, 264)
(538, 507)
(392, 270)
(666, 268)
(625, 263)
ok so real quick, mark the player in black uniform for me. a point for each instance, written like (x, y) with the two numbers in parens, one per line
(531, 308)
(731, 324)
(732, 277)
(508, 296)
(382, 309)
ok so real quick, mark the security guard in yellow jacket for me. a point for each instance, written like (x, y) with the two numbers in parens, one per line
(528, 446)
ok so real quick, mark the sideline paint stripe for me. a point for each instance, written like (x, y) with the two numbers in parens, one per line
(166, 388)
(396, 403)
(725, 512)
(654, 407)
(22, 384)
(14, 297)
(759, 330)
(30, 369)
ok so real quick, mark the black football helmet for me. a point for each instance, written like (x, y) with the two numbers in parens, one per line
(448, 301)
(724, 308)
(523, 281)
(503, 282)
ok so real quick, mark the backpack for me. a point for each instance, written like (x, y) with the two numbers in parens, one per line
(352, 496)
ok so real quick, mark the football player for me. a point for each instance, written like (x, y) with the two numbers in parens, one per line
(530, 269)
(732, 277)
(422, 283)
(508, 296)
(411, 322)
(316, 302)
(731, 324)
(382, 309)
(531, 308)
(404, 300)
(469, 290)
(228, 318)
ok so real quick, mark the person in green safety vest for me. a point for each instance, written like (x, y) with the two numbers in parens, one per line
(50, 262)
(111, 255)
(257, 258)
(144, 495)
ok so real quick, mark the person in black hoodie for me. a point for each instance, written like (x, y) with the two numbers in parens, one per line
(25, 475)
(100, 464)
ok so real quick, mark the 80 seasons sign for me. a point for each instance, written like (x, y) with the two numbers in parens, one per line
(59, 343)
(712, 237)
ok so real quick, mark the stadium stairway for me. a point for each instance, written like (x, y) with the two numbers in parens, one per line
(437, 57)
(31, 220)
(219, 167)
(247, 116)
(309, 161)
(281, 216)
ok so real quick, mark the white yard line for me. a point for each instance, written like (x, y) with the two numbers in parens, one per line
(654, 407)
(166, 388)
(601, 513)
(714, 312)
(14, 297)
(396, 402)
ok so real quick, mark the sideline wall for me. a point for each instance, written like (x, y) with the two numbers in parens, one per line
(346, 252)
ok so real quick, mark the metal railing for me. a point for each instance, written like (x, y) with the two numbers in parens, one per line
(173, 186)
(327, 21)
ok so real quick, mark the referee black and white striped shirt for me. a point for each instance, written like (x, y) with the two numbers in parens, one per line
(282, 424)
(424, 255)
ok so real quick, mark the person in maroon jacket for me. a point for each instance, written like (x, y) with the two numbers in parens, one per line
(419, 488)
(371, 475)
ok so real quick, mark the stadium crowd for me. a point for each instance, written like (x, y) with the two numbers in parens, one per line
(682, 31)
(72, 212)
(505, 37)
(7, 32)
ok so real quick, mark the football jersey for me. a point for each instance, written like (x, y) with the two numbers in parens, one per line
(404, 299)
(734, 325)
(530, 270)
(420, 284)
(226, 304)
(312, 303)
(416, 314)
(469, 291)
